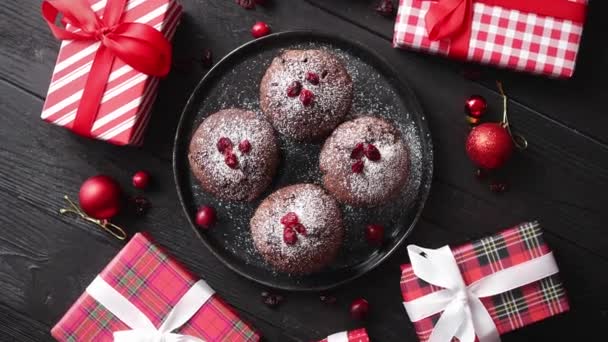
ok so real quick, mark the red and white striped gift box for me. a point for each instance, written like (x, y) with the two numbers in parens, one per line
(125, 108)
(500, 36)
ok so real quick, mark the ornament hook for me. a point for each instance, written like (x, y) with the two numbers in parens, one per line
(106, 225)
(519, 140)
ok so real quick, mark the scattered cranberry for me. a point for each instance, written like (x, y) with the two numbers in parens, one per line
(245, 146)
(205, 216)
(372, 153)
(289, 236)
(312, 78)
(271, 300)
(294, 89)
(224, 144)
(290, 219)
(385, 8)
(357, 152)
(300, 229)
(359, 309)
(246, 4)
(231, 161)
(260, 29)
(326, 299)
(357, 166)
(374, 233)
(140, 205)
(207, 58)
(141, 179)
(498, 187)
(306, 97)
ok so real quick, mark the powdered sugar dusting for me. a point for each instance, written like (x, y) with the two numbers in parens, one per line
(332, 95)
(254, 168)
(374, 93)
(316, 211)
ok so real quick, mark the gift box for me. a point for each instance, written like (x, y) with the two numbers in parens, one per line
(358, 335)
(516, 259)
(539, 36)
(108, 95)
(153, 286)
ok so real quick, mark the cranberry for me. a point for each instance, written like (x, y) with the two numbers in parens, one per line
(207, 58)
(271, 300)
(246, 4)
(139, 204)
(372, 153)
(294, 89)
(300, 229)
(289, 236)
(498, 187)
(141, 179)
(306, 97)
(357, 152)
(231, 161)
(357, 166)
(290, 219)
(374, 233)
(327, 299)
(385, 8)
(312, 78)
(224, 144)
(359, 309)
(260, 29)
(245, 146)
(205, 216)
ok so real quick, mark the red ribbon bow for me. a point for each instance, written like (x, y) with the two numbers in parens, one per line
(139, 45)
(453, 18)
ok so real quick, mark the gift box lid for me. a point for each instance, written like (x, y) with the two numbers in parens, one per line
(154, 282)
(510, 310)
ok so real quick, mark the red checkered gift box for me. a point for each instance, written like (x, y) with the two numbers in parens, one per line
(537, 36)
(358, 335)
(518, 256)
(105, 78)
(151, 281)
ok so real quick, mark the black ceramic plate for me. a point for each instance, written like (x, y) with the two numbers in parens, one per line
(379, 90)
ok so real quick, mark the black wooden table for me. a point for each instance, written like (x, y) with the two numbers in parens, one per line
(46, 260)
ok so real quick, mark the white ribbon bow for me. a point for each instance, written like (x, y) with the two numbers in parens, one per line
(464, 315)
(143, 330)
(338, 337)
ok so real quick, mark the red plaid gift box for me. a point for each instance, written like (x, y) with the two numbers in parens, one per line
(126, 102)
(358, 335)
(538, 36)
(154, 283)
(509, 310)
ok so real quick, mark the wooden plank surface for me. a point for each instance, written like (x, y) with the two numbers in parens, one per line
(47, 260)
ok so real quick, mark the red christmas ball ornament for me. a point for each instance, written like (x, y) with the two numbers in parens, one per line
(489, 145)
(205, 217)
(100, 197)
(260, 29)
(475, 106)
(141, 179)
(359, 309)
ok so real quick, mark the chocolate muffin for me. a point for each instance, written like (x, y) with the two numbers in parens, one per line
(305, 94)
(234, 154)
(364, 162)
(298, 229)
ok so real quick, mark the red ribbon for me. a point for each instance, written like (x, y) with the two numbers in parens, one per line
(453, 19)
(139, 45)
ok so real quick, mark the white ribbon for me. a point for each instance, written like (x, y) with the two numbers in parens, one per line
(143, 330)
(464, 315)
(338, 337)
